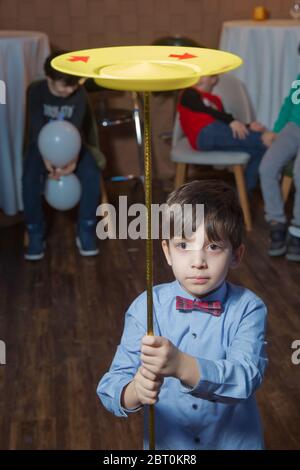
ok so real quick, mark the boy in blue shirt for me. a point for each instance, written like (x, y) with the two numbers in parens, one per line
(207, 359)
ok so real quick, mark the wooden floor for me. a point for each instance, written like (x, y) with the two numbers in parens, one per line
(61, 319)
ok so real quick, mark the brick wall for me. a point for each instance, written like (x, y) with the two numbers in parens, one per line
(78, 24)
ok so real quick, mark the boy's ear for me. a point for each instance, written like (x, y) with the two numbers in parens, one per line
(165, 247)
(237, 256)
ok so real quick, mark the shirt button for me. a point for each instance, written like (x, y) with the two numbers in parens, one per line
(195, 407)
(194, 335)
(197, 440)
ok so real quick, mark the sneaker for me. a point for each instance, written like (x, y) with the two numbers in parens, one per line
(36, 242)
(293, 248)
(86, 239)
(278, 235)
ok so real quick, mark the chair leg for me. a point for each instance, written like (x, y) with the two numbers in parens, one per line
(242, 192)
(104, 195)
(286, 186)
(26, 239)
(181, 170)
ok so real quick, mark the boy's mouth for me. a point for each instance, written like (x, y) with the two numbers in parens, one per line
(198, 279)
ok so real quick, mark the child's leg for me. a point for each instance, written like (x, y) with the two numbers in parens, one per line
(218, 136)
(293, 248)
(89, 174)
(33, 180)
(278, 155)
(296, 177)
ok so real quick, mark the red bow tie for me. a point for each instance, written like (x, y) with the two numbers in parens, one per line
(214, 307)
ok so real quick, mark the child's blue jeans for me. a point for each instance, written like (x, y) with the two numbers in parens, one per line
(35, 174)
(218, 136)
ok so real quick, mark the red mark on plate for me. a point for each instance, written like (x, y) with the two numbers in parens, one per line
(186, 55)
(77, 58)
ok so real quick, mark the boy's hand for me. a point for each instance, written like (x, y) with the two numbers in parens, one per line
(51, 169)
(239, 130)
(55, 173)
(160, 356)
(68, 169)
(257, 126)
(268, 138)
(146, 386)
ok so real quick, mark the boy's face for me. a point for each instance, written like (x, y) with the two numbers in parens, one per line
(200, 268)
(60, 88)
(207, 83)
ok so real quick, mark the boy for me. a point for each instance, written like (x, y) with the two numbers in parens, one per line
(209, 127)
(285, 145)
(205, 361)
(60, 94)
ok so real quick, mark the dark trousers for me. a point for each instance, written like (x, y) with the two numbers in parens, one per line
(218, 136)
(35, 174)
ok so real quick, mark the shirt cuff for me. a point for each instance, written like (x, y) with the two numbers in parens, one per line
(208, 382)
(125, 411)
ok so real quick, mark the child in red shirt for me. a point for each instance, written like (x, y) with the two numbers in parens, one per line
(209, 127)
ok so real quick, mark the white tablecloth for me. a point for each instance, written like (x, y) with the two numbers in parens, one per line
(271, 61)
(22, 55)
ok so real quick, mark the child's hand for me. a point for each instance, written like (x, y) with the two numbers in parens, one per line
(160, 356)
(257, 126)
(146, 386)
(268, 138)
(239, 130)
(68, 169)
(51, 169)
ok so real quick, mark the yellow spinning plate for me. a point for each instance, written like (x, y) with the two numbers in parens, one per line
(146, 68)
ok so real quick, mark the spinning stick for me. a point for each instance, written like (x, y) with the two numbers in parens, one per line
(146, 69)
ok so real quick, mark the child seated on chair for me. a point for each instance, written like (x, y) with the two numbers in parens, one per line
(58, 94)
(209, 127)
(285, 145)
(207, 358)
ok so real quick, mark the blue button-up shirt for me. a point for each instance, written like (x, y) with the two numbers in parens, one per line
(220, 412)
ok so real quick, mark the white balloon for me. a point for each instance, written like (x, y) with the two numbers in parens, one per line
(64, 193)
(59, 142)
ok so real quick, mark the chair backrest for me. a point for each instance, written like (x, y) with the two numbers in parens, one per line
(235, 99)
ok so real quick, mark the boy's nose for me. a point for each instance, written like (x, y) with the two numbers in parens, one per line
(199, 260)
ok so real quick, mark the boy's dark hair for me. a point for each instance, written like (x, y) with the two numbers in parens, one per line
(50, 72)
(223, 216)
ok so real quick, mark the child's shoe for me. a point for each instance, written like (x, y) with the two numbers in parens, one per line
(278, 235)
(86, 239)
(293, 247)
(36, 242)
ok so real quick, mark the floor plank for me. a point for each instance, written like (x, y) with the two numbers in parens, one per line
(62, 318)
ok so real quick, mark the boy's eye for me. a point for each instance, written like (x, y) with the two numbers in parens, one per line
(181, 245)
(213, 247)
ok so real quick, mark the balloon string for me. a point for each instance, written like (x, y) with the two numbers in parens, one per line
(149, 244)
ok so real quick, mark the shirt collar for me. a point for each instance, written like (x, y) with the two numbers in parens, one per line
(217, 294)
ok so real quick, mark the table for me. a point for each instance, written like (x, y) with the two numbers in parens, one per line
(270, 50)
(22, 55)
